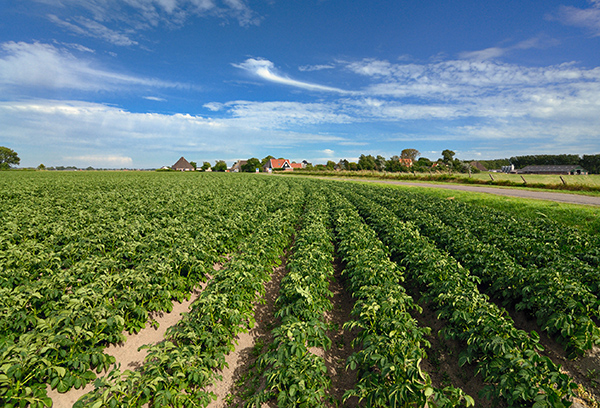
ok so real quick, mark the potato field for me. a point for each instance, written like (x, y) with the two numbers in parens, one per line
(87, 257)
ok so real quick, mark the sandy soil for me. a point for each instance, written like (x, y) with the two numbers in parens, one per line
(341, 347)
(241, 377)
(127, 353)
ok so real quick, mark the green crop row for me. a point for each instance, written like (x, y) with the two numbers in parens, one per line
(390, 341)
(563, 306)
(295, 376)
(538, 244)
(176, 372)
(77, 276)
(506, 357)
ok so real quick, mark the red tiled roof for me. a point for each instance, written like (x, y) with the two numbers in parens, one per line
(296, 165)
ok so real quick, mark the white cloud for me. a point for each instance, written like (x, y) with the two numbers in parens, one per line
(588, 18)
(284, 114)
(155, 98)
(328, 152)
(265, 69)
(74, 129)
(110, 161)
(43, 66)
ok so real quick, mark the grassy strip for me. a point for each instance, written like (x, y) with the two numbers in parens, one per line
(506, 357)
(392, 344)
(536, 181)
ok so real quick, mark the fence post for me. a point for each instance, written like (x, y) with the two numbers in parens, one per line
(523, 178)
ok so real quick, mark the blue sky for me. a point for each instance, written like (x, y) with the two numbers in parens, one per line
(139, 83)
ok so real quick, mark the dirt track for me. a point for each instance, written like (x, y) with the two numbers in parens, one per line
(512, 192)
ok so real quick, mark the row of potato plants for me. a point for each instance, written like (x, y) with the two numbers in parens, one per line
(390, 342)
(540, 244)
(507, 358)
(562, 305)
(101, 267)
(177, 371)
(295, 376)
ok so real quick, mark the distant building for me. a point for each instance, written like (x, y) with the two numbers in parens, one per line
(478, 166)
(182, 165)
(554, 169)
(283, 164)
(237, 166)
(509, 169)
(406, 162)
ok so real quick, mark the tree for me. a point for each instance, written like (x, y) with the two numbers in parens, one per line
(220, 165)
(194, 164)
(410, 154)
(205, 166)
(330, 165)
(8, 157)
(366, 162)
(448, 156)
(424, 162)
(251, 165)
(41, 167)
(380, 163)
(265, 160)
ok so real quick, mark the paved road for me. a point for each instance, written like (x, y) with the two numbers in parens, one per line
(512, 192)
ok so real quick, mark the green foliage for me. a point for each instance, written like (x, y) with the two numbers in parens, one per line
(506, 357)
(389, 341)
(220, 165)
(205, 166)
(8, 158)
(251, 165)
(545, 159)
(410, 154)
(294, 375)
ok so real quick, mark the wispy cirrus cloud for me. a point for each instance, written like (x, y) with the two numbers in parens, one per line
(119, 22)
(588, 18)
(497, 52)
(89, 28)
(266, 70)
(34, 67)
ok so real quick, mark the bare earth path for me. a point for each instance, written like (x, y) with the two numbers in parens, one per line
(511, 192)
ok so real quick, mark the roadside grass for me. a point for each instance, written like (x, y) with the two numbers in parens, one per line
(584, 218)
(585, 185)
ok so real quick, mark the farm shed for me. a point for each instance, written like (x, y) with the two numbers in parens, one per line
(182, 165)
(554, 169)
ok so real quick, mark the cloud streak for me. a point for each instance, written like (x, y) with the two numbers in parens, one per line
(35, 67)
(265, 70)
(588, 18)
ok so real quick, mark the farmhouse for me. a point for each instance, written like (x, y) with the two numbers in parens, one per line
(182, 165)
(237, 166)
(283, 164)
(554, 169)
(408, 162)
